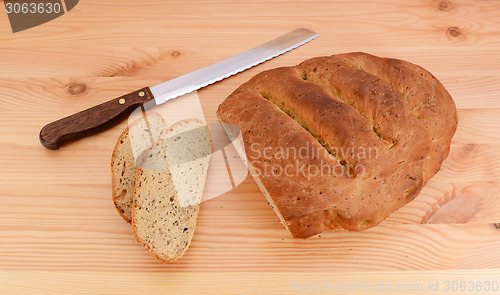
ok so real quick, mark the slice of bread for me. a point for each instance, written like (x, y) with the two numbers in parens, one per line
(129, 150)
(168, 190)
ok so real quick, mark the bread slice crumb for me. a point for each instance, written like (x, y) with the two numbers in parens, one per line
(129, 150)
(168, 190)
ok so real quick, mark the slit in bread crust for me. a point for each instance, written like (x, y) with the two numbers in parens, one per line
(360, 67)
(304, 77)
(349, 168)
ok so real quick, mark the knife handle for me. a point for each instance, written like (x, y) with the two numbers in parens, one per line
(93, 120)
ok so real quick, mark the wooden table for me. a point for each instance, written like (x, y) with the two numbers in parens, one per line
(60, 233)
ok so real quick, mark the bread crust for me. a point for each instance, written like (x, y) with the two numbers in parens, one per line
(115, 195)
(336, 106)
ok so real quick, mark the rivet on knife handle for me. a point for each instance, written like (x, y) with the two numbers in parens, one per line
(92, 120)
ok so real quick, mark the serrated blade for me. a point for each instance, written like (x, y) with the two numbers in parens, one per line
(233, 65)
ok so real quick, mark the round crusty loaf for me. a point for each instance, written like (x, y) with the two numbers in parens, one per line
(342, 141)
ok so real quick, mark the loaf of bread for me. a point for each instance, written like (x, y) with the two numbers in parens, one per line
(168, 190)
(128, 153)
(341, 142)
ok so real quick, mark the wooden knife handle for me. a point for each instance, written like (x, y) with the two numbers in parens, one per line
(93, 120)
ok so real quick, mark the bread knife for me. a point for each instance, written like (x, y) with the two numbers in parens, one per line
(99, 117)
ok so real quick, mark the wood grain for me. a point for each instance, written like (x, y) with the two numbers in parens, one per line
(61, 234)
(233, 282)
